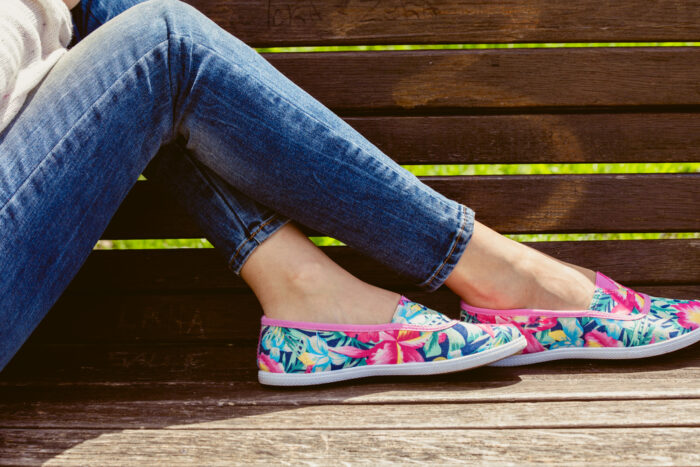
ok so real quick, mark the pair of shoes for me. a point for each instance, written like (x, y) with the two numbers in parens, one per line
(620, 323)
(417, 341)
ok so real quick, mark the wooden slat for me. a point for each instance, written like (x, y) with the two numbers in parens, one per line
(621, 446)
(672, 376)
(508, 204)
(293, 22)
(213, 413)
(237, 362)
(631, 262)
(217, 317)
(438, 80)
(535, 138)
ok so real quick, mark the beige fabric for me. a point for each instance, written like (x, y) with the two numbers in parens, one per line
(33, 36)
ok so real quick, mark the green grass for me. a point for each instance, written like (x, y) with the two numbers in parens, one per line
(476, 169)
(543, 45)
(546, 169)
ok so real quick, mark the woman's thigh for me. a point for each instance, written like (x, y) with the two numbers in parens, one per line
(70, 157)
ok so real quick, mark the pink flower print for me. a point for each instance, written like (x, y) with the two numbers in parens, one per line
(688, 314)
(627, 300)
(268, 364)
(393, 347)
(492, 319)
(541, 323)
(398, 347)
(487, 328)
(366, 337)
(533, 345)
(598, 339)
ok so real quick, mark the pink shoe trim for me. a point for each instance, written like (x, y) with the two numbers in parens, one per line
(552, 313)
(265, 321)
(602, 281)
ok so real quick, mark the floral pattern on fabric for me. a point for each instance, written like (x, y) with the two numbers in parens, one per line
(294, 350)
(666, 319)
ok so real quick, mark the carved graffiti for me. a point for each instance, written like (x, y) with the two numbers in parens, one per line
(382, 10)
(285, 13)
(297, 13)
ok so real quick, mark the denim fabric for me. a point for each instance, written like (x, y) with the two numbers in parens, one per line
(141, 75)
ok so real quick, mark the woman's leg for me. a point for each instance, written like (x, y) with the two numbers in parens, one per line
(101, 114)
(273, 142)
(292, 278)
(519, 276)
(236, 225)
(161, 70)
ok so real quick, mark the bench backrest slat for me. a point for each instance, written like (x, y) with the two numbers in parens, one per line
(348, 22)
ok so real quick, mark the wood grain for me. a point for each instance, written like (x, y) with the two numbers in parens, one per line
(668, 377)
(497, 79)
(507, 204)
(631, 262)
(208, 414)
(236, 361)
(534, 138)
(198, 317)
(622, 446)
(292, 22)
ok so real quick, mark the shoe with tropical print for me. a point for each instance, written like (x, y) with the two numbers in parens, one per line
(417, 341)
(619, 324)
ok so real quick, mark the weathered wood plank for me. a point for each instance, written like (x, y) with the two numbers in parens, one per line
(197, 414)
(292, 22)
(674, 376)
(235, 361)
(535, 138)
(630, 262)
(197, 317)
(508, 204)
(437, 80)
(621, 446)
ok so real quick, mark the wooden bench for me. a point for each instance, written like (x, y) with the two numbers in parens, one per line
(149, 357)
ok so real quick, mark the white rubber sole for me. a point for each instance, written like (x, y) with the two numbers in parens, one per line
(401, 369)
(607, 353)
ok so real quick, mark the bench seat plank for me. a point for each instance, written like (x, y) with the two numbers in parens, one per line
(259, 447)
(659, 378)
(221, 413)
(236, 361)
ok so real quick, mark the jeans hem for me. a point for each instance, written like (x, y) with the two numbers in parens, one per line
(259, 235)
(457, 247)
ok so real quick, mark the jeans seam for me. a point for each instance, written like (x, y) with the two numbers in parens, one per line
(71, 130)
(212, 185)
(463, 210)
(250, 237)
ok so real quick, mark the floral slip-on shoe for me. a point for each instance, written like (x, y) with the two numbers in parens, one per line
(620, 323)
(417, 341)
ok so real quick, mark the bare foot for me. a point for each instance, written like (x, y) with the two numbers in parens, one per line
(294, 280)
(497, 272)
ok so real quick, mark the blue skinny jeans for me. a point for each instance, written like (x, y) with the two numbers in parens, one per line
(251, 151)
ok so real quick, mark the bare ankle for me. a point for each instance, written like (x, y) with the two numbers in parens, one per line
(496, 272)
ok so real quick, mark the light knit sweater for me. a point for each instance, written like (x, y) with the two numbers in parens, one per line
(34, 34)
